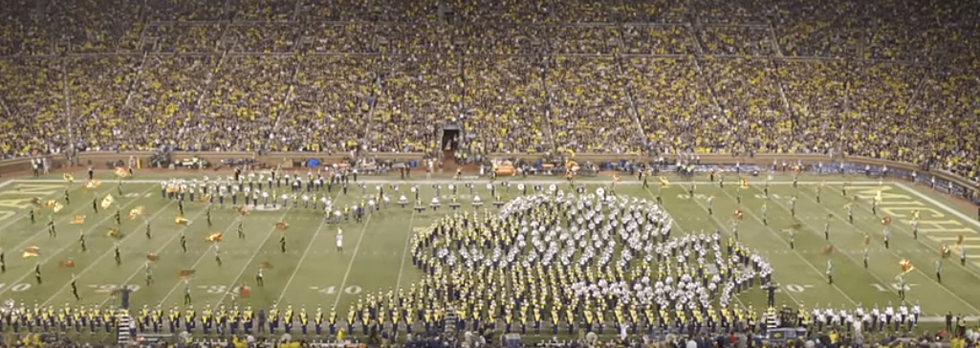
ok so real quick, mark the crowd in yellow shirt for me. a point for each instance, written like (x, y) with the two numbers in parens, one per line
(535, 76)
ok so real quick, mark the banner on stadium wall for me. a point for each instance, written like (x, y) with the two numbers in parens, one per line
(782, 334)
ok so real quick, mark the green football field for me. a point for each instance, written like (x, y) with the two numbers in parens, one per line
(312, 273)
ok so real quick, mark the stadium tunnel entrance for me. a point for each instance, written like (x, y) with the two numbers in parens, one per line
(450, 138)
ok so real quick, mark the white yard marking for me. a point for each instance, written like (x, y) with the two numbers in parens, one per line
(898, 257)
(305, 252)
(11, 222)
(193, 266)
(106, 253)
(300, 263)
(401, 269)
(794, 252)
(351, 264)
(735, 296)
(250, 259)
(724, 227)
(167, 243)
(939, 204)
(38, 234)
(482, 182)
(62, 249)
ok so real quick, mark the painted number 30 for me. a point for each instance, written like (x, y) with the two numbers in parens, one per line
(350, 290)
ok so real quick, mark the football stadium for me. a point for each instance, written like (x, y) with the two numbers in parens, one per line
(703, 173)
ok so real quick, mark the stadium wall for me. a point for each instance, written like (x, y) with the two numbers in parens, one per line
(99, 160)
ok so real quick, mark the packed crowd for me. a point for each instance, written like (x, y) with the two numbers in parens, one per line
(881, 79)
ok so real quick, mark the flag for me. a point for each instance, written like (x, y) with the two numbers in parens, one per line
(265, 265)
(886, 220)
(745, 183)
(113, 233)
(738, 215)
(30, 252)
(50, 203)
(69, 179)
(282, 225)
(57, 207)
(244, 292)
(241, 210)
(107, 201)
(906, 266)
(664, 182)
(827, 250)
(77, 220)
(184, 273)
(92, 184)
(181, 221)
(121, 172)
(66, 264)
(571, 165)
(136, 212)
(152, 257)
(214, 237)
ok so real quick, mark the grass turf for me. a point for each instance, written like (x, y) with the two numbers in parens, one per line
(312, 273)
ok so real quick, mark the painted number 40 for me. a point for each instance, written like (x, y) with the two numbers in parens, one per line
(892, 287)
(797, 287)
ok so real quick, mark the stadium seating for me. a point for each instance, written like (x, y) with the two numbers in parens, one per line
(885, 78)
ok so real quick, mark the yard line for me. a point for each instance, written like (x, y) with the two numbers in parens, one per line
(975, 310)
(408, 239)
(526, 181)
(305, 252)
(21, 216)
(68, 245)
(351, 264)
(948, 209)
(816, 230)
(939, 204)
(249, 262)
(203, 254)
(300, 263)
(38, 233)
(93, 263)
(794, 252)
(730, 235)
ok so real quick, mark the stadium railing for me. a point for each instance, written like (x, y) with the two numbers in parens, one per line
(959, 186)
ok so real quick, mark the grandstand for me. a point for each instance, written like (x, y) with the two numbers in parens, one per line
(540, 80)
(661, 78)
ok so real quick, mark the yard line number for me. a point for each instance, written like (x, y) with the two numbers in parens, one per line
(892, 287)
(16, 287)
(113, 287)
(332, 290)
